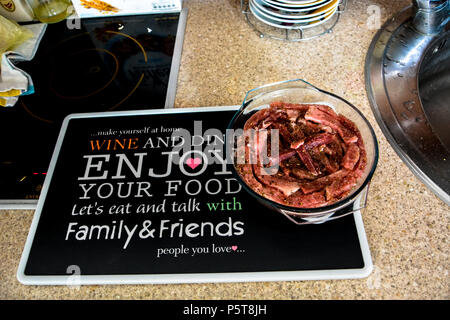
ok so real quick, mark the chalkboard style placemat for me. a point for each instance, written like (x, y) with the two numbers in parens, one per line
(118, 207)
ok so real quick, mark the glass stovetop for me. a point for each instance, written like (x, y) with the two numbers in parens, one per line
(110, 64)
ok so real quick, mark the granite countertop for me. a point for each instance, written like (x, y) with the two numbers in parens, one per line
(407, 226)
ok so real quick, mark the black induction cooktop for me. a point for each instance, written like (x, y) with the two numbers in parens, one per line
(108, 64)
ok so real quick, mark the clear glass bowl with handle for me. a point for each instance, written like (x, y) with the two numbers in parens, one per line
(299, 91)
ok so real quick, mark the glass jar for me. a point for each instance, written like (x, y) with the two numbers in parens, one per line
(51, 11)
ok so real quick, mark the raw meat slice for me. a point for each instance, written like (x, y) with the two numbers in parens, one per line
(282, 157)
(351, 157)
(340, 187)
(317, 115)
(302, 174)
(256, 118)
(283, 183)
(312, 200)
(330, 165)
(307, 160)
(322, 182)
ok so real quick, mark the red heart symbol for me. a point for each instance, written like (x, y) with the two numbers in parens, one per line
(193, 162)
(234, 248)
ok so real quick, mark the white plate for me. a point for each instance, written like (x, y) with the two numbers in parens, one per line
(278, 24)
(296, 2)
(294, 5)
(328, 6)
(290, 21)
(270, 22)
(289, 15)
(281, 7)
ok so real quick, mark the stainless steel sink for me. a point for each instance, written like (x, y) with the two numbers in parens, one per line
(408, 84)
(434, 87)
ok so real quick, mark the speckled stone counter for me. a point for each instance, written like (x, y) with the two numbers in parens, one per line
(406, 225)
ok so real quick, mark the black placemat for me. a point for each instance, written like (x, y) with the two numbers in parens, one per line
(114, 205)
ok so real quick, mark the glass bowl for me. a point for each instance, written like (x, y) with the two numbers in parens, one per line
(301, 92)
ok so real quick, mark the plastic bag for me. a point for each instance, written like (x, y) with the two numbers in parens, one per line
(11, 34)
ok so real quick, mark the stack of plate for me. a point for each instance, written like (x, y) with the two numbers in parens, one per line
(294, 14)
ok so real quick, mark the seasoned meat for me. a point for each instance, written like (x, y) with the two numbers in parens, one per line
(320, 160)
(307, 160)
(351, 157)
(322, 182)
(316, 114)
(312, 200)
(282, 157)
(340, 186)
(329, 164)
